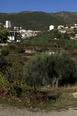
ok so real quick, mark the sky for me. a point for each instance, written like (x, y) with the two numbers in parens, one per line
(12, 6)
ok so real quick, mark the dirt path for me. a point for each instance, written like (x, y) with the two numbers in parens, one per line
(12, 111)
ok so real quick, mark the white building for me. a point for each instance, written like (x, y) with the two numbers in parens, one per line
(66, 27)
(51, 27)
(8, 24)
(28, 33)
(72, 27)
(75, 24)
(23, 35)
(62, 31)
(60, 27)
(75, 35)
(11, 38)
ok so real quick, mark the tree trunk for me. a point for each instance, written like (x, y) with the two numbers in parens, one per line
(55, 82)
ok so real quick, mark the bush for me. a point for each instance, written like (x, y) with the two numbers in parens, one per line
(4, 52)
(25, 88)
(20, 50)
(3, 64)
(11, 47)
(57, 69)
(4, 84)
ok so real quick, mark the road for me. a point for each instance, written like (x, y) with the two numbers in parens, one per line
(13, 111)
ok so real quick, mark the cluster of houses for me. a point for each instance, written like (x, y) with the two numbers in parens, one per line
(17, 33)
(65, 29)
(51, 27)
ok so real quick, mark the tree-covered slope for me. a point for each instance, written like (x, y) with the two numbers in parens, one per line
(67, 17)
(38, 20)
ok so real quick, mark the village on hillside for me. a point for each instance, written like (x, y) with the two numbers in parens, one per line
(18, 33)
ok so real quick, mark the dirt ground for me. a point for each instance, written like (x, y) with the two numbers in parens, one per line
(13, 111)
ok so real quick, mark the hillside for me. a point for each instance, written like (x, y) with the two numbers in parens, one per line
(38, 20)
(67, 17)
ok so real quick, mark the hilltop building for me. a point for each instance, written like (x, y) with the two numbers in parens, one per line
(51, 27)
(8, 24)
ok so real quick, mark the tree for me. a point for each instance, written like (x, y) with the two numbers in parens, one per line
(39, 70)
(55, 69)
(4, 35)
(65, 70)
(33, 77)
(3, 64)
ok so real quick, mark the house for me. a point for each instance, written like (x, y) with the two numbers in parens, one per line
(76, 36)
(73, 38)
(62, 31)
(66, 27)
(60, 27)
(51, 52)
(8, 24)
(51, 27)
(72, 27)
(11, 38)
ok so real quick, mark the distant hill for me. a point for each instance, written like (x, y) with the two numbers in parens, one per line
(38, 20)
(67, 17)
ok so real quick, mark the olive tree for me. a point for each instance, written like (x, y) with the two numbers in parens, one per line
(65, 69)
(55, 69)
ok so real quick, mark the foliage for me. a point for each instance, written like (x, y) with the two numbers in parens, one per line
(3, 64)
(4, 35)
(5, 52)
(56, 69)
(33, 20)
(20, 50)
(15, 73)
(75, 30)
(11, 47)
(4, 84)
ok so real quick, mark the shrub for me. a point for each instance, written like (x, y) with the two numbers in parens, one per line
(20, 50)
(11, 47)
(4, 52)
(57, 69)
(3, 64)
(4, 84)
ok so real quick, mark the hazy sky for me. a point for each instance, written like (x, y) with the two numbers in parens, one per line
(9, 6)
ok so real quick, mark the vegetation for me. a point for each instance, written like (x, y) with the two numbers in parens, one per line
(38, 20)
(51, 41)
(75, 30)
(21, 83)
(20, 50)
(4, 35)
(55, 70)
(5, 52)
(37, 79)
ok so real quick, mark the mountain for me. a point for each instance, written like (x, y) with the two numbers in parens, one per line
(38, 20)
(67, 17)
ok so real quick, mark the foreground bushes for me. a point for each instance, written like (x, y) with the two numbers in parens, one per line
(55, 70)
(4, 84)
(5, 52)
